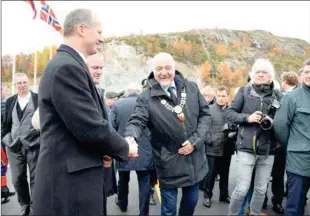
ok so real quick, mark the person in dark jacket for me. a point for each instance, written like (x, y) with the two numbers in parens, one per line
(178, 118)
(253, 108)
(95, 65)
(219, 149)
(292, 129)
(121, 112)
(22, 140)
(75, 131)
(289, 82)
(153, 178)
(5, 191)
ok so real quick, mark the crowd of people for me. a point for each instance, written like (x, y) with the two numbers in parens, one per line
(74, 136)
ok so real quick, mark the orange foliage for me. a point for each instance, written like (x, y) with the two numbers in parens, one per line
(246, 41)
(183, 47)
(307, 50)
(235, 45)
(205, 71)
(221, 50)
(276, 50)
(225, 71)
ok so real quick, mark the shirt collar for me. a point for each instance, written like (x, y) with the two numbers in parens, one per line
(24, 98)
(81, 54)
(291, 88)
(167, 87)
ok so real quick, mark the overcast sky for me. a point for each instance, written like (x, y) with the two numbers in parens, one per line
(22, 34)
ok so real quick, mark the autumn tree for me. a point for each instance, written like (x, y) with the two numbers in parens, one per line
(221, 50)
(276, 50)
(246, 41)
(235, 44)
(205, 71)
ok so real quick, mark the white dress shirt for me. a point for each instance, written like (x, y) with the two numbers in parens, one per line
(23, 101)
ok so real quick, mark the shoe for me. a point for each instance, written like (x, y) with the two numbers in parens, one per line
(207, 202)
(225, 199)
(260, 214)
(278, 209)
(25, 210)
(265, 206)
(11, 193)
(152, 200)
(122, 209)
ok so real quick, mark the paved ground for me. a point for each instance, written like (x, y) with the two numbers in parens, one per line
(12, 208)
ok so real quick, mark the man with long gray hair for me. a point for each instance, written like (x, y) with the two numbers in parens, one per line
(75, 132)
(253, 109)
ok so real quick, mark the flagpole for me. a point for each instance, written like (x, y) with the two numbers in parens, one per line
(51, 51)
(13, 74)
(35, 72)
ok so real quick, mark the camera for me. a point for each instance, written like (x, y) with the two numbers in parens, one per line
(231, 130)
(267, 119)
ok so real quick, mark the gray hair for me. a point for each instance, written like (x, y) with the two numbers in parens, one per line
(263, 64)
(133, 88)
(161, 56)
(77, 17)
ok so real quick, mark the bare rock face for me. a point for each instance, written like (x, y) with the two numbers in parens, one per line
(128, 59)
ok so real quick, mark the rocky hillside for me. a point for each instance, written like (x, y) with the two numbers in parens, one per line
(217, 56)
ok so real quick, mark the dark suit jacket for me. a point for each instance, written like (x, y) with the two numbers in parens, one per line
(10, 103)
(32, 138)
(75, 134)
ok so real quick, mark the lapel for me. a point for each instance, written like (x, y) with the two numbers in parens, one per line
(78, 58)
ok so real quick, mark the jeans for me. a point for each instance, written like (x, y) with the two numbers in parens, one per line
(245, 165)
(188, 202)
(298, 187)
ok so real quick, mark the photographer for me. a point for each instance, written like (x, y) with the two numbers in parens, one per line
(219, 148)
(253, 109)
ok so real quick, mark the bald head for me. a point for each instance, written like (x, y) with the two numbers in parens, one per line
(95, 65)
(208, 92)
(163, 66)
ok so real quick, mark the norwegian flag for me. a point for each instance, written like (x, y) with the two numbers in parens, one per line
(48, 16)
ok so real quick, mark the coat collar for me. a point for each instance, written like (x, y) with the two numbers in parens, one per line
(156, 89)
(74, 53)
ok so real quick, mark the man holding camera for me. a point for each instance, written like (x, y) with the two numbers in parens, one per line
(219, 149)
(253, 109)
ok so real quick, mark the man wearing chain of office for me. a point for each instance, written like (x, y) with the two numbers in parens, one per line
(178, 117)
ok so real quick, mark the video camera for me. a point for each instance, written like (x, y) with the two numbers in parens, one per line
(231, 130)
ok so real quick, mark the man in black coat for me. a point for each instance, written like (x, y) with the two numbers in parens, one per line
(21, 139)
(75, 132)
(121, 112)
(95, 65)
(219, 148)
(178, 117)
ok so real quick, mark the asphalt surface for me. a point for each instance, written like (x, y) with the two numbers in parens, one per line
(12, 208)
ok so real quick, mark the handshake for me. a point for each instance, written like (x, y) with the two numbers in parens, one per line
(133, 147)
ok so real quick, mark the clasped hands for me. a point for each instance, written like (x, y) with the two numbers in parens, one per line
(133, 147)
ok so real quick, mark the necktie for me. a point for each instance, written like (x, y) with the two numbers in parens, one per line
(172, 96)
